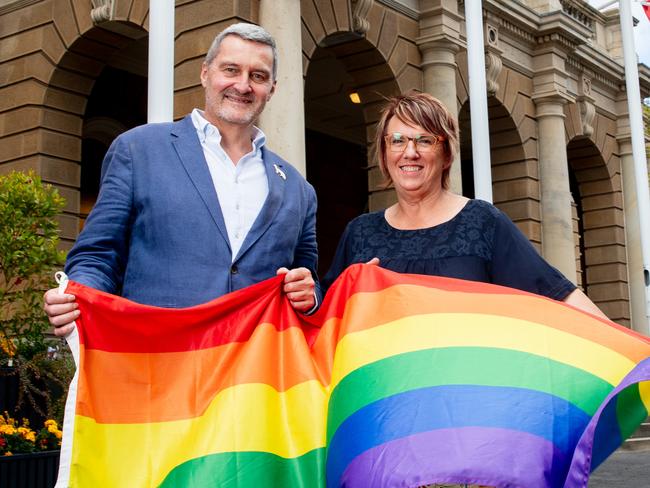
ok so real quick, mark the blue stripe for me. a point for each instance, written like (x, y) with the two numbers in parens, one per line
(451, 406)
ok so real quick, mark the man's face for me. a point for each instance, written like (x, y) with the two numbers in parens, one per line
(238, 82)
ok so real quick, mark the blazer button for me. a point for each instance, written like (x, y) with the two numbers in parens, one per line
(233, 269)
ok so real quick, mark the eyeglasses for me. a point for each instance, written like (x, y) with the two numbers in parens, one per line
(397, 142)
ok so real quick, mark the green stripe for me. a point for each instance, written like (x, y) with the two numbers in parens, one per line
(465, 366)
(630, 410)
(255, 469)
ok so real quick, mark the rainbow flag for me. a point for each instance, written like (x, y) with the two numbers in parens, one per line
(398, 380)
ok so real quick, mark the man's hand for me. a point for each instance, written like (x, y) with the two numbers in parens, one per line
(61, 310)
(299, 288)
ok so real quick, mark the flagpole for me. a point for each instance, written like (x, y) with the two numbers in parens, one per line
(638, 144)
(478, 100)
(160, 96)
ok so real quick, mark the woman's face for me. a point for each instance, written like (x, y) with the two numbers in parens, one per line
(415, 170)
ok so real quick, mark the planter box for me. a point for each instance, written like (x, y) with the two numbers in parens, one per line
(34, 470)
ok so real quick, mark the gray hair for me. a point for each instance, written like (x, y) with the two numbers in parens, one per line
(248, 32)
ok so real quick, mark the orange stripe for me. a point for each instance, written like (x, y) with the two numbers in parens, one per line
(180, 385)
(281, 359)
(367, 310)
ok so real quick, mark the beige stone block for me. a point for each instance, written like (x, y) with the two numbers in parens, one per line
(512, 171)
(23, 165)
(308, 46)
(508, 137)
(112, 38)
(374, 74)
(201, 13)
(140, 11)
(65, 101)
(592, 174)
(607, 200)
(517, 189)
(68, 226)
(71, 197)
(82, 10)
(606, 273)
(375, 179)
(604, 236)
(341, 13)
(60, 145)
(72, 81)
(521, 210)
(35, 65)
(19, 145)
(375, 18)
(572, 121)
(60, 171)
(407, 28)
(399, 55)
(64, 20)
(603, 292)
(527, 129)
(22, 43)
(195, 44)
(19, 120)
(617, 311)
(326, 13)
(62, 121)
(603, 218)
(601, 186)
(388, 35)
(532, 230)
(524, 108)
(605, 254)
(186, 100)
(81, 64)
(411, 78)
(508, 154)
(311, 20)
(26, 18)
(381, 199)
(188, 74)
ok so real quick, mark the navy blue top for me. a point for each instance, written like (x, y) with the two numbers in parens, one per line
(480, 244)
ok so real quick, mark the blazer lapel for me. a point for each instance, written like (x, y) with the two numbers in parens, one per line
(189, 150)
(276, 179)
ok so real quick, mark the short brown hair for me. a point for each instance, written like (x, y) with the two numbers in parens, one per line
(429, 113)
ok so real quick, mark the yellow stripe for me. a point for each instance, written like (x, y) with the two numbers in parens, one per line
(251, 417)
(644, 393)
(418, 332)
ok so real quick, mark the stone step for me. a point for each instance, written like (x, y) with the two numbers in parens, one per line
(636, 444)
(642, 431)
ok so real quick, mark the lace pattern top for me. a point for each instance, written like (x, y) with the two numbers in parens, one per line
(480, 243)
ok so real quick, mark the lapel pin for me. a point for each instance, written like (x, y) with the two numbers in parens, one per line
(279, 172)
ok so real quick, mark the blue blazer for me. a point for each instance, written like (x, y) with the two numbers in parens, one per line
(157, 236)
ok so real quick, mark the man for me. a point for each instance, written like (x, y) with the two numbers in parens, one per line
(192, 210)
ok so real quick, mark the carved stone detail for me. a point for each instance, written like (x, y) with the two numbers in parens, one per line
(586, 104)
(360, 9)
(493, 67)
(103, 11)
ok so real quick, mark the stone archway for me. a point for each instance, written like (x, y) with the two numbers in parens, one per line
(88, 41)
(338, 61)
(592, 157)
(513, 148)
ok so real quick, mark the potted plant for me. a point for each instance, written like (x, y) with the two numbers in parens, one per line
(27, 457)
(35, 368)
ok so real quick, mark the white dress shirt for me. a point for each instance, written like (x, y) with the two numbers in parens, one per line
(242, 187)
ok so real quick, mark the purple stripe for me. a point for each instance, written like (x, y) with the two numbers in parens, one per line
(481, 455)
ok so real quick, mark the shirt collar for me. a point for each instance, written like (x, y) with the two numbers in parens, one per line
(206, 130)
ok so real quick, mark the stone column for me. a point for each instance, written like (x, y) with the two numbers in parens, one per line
(283, 119)
(632, 237)
(439, 69)
(558, 246)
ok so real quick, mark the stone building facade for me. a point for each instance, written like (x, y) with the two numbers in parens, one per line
(73, 75)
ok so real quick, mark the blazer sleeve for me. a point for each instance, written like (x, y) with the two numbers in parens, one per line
(306, 252)
(98, 258)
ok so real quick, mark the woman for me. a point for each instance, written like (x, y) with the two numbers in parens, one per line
(433, 231)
